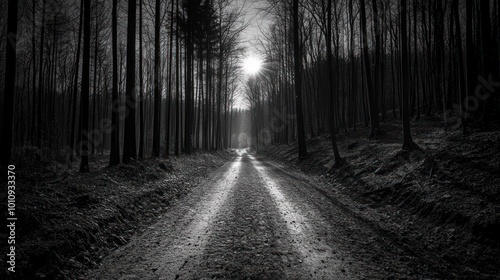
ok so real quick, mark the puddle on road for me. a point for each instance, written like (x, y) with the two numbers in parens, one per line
(316, 254)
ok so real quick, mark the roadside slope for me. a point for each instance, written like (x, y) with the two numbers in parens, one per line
(445, 199)
(69, 221)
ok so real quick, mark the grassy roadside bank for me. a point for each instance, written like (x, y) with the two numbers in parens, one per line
(68, 221)
(445, 200)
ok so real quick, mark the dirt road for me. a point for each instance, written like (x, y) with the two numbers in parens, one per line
(255, 220)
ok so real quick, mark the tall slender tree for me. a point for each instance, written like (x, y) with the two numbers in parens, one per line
(177, 82)
(129, 144)
(333, 130)
(374, 105)
(298, 81)
(10, 82)
(157, 82)
(114, 157)
(408, 144)
(461, 69)
(170, 80)
(33, 50)
(75, 87)
(372, 98)
(470, 60)
(489, 57)
(142, 125)
(192, 7)
(41, 78)
(84, 101)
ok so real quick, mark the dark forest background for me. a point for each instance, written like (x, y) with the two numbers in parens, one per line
(157, 78)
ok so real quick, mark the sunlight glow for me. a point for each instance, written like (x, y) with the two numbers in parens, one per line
(252, 65)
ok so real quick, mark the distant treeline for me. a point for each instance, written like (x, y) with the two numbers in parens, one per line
(140, 78)
(365, 61)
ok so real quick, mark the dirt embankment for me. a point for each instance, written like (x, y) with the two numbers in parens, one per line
(68, 221)
(445, 198)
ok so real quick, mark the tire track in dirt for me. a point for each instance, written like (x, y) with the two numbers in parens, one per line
(319, 259)
(254, 220)
(190, 244)
(260, 234)
(362, 236)
(249, 239)
(178, 239)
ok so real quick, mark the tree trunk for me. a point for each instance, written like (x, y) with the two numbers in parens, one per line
(157, 91)
(75, 87)
(489, 56)
(84, 101)
(338, 159)
(40, 79)
(408, 144)
(170, 79)
(298, 81)
(462, 79)
(372, 96)
(33, 49)
(177, 82)
(129, 145)
(192, 7)
(114, 157)
(94, 101)
(142, 125)
(10, 83)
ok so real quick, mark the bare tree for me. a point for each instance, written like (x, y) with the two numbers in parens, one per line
(333, 130)
(372, 96)
(114, 157)
(408, 144)
(129, 145)
(75, 85)
(84, 101)
(10, 82)
(298, 81)
(157, 82)
(142, 125)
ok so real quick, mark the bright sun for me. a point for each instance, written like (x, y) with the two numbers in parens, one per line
(252, 65)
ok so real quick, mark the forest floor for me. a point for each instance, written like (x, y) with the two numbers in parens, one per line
(442, 203)
(68, 221)
(234, 215)
(385, 215)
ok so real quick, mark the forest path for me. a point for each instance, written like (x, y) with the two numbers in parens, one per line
(254, 219)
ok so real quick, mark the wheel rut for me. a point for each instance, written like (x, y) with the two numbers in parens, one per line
(250, 220)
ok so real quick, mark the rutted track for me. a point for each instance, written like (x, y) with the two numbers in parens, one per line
(252, 219)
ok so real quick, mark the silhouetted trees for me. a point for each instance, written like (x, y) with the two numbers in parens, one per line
(84, 100)
(74, 89)
(129, 145)
(408, 143)
(114, 157)
(10, 81)
(82, 73)
(402, 59)
(298, 81)
(157, 82)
